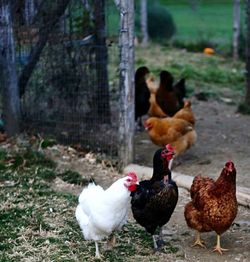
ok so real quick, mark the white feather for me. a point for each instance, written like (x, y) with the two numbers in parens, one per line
(100, 212)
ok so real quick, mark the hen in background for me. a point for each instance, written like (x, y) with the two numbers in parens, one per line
(154, 109)
(214, 205)
(142, 94)
(154, 200)
(186, 113)
(100, 212)
(169, 130)
(169, 96)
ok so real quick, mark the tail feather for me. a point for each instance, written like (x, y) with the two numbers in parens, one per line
(81, 217)
(184, 142)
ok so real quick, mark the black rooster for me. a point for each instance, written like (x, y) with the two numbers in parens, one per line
(154, 200)
(169, 96)
(142, 94)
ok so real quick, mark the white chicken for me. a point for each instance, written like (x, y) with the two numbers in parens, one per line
(100, 212)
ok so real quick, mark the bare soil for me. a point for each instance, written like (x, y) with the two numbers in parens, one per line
(223, 134)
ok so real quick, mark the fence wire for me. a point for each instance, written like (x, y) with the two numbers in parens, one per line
(72, 93)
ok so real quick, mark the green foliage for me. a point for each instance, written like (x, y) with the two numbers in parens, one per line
(47, 142)
(193, 46)
(31, 158)
(46, 174)
(161, 26)
(244, 109)
(73, 177)
(2, 155)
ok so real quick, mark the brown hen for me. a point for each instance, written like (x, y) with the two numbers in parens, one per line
(177, 132)
(214, 205)
(186, 113)
(169, 96)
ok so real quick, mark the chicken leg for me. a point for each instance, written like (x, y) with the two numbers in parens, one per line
(97, 253)
(155, 243)
(160, 242)
(198, 241)
(218, 247)
(170, 164)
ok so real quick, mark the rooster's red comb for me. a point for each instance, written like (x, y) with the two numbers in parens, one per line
(169, 148)
(229, 165)
(168, 152)
(132, 175)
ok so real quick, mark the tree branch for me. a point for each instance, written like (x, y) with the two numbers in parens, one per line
(47, 17)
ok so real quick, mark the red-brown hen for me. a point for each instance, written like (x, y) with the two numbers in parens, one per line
(214, 205)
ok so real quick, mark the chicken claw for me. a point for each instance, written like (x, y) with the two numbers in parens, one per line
(218, 248)
(199, 241)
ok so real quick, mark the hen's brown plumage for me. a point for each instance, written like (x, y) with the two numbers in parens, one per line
(169, 96)
(186, 113)
(169, 130)
(214, 204)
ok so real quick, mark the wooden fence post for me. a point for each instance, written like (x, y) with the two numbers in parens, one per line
(126, 69)
(236, 28)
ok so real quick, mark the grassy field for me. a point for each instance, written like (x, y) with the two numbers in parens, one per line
(216, 75)
(208, 22)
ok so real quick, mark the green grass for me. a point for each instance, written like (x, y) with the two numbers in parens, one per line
(216, 75)
(208, 23)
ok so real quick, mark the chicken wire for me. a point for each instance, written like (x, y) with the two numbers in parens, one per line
(72, 94)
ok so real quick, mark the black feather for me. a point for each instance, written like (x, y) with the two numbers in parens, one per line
(154, 201)
(142, 93)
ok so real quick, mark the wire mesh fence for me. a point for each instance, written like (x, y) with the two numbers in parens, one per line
(72, 93)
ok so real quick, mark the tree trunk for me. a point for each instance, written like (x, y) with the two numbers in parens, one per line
(144, 22)
(247, 97)
(236, 28)
(8, 74)
(29, 11)
(47, 16)
(126, 67)
(101, 61)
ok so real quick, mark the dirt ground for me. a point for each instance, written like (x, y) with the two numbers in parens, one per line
(223, 134)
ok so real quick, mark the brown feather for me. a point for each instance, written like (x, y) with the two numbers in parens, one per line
(214, 204)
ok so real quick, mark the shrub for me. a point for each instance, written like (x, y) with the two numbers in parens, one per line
(161, 26)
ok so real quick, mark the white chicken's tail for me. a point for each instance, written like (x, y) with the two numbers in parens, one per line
(81, 217)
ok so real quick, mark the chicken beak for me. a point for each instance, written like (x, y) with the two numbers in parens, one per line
(137, 183)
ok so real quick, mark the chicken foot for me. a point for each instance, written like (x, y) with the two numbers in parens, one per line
(97, 252)
(198, 241)
(218, 248)
(159, 242)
